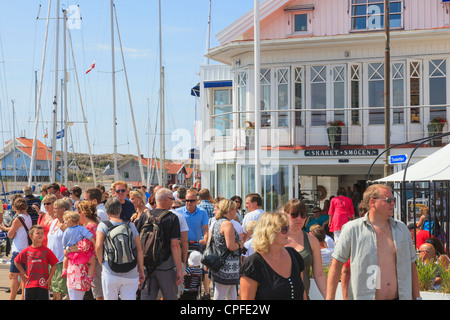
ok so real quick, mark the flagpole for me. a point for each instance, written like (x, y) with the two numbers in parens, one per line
(116, 175)
(257, 100)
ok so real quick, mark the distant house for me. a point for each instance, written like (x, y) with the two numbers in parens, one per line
(22, 154)
(175, 172)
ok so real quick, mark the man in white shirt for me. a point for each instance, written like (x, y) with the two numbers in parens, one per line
(95, 195)
(253, 204)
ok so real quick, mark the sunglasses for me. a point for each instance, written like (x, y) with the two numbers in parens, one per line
(152, 203)
(173, 199)
(175, 207)
(191, 200)
(121, 190)
(284, 229)
(388, 200)
(47, 203)
(295, 215)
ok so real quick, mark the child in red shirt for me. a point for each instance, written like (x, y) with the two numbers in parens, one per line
(36, 258)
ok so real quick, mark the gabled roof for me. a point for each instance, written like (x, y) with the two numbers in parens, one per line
(25, 145)
(246, 22)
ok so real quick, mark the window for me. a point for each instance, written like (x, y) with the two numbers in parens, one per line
(369, 14)
(398, 92)
(318, 95)
(265, 97)
(339, 90)
(376, 93)
(438, 85)
(355, 94)
(298, 94)
(242, 98)
(226, 180)
(126, 175)
(414, 90)
(283, 96)
(301, 22)
(222, 111)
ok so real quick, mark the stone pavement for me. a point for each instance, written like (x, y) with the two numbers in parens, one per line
(4, 277)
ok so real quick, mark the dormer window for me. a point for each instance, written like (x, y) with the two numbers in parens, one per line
(301, 22)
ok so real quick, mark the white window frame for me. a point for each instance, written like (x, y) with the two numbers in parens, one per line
(374, 19)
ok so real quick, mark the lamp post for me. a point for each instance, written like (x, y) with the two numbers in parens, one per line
(387, 89)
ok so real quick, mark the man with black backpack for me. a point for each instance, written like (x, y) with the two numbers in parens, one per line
(119, 250)
(160, 235)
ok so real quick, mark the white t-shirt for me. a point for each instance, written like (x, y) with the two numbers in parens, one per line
(101, 213)
(55, 242)
(183, 224)
(20, 240)
(254, 215)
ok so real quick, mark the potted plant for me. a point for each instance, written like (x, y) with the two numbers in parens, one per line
(334, 132)
(435, 127)
(249, 135)
(427, 273)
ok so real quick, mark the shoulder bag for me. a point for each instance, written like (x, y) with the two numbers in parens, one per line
(212, 258)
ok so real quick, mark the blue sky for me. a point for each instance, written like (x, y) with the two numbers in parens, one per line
(184, 26)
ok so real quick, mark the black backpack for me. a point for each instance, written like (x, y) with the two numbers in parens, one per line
(153, 241)
(120, 249)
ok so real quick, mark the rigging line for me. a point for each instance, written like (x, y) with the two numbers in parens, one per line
(82, 109)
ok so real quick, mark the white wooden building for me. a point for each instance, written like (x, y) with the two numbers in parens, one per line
(321, 61)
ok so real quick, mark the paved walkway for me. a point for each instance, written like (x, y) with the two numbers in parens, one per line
(4, 277)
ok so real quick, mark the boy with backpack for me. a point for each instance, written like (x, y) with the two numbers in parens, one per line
(119, 251)
(160, 235)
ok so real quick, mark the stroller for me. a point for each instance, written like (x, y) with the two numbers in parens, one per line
(193, 277)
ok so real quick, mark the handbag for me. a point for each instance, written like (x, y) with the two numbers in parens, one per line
(212, 258)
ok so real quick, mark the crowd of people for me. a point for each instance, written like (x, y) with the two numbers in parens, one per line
(64, 243)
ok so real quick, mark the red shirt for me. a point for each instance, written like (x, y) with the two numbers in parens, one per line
(37, 261)
(421, 237)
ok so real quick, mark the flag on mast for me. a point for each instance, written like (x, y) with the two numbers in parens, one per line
(91, 67)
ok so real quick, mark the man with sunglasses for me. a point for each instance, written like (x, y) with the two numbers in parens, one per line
(196, 218)
(382, 255)
(120, 189)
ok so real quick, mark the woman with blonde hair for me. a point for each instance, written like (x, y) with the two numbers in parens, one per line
(137, 198)
(225, 238)
(274, 271)
(46, 218)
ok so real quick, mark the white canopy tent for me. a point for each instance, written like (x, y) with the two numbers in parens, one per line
(434, 167)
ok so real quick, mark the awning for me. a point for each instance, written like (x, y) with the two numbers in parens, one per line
(195, 91)
(435, 167)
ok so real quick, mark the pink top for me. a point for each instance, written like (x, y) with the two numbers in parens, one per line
(339, 213)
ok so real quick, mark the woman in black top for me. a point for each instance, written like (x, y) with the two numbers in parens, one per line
(273, 272)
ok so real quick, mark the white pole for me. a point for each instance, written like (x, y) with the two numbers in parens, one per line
(55, 98)
(141, 168)
(208, 36)
(161, 93)
(116, 174)
(257, 100)
(33, 150)
(66, 136)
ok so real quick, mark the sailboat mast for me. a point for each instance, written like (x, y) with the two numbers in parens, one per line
(65, 80)
(55, 98)
(208, 35)
(116, 174)
(33, 150)
(163, 127)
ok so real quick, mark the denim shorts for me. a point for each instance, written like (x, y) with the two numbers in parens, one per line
(13, 268)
